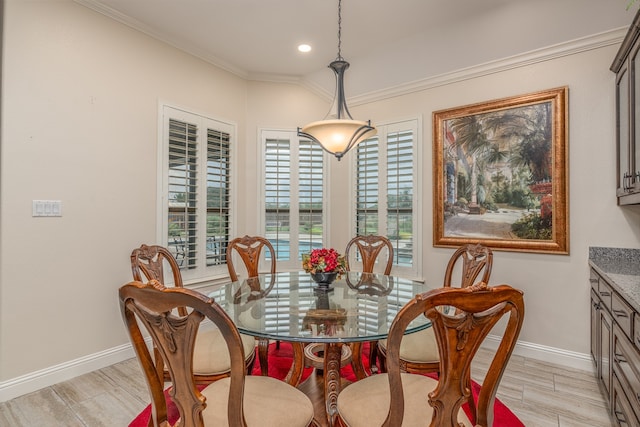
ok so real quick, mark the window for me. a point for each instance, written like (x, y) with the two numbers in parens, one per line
(293, 196)
(386, 184)
(195, 194)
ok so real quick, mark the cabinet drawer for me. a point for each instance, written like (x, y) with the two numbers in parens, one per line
(623, 414)
(626, 367)
(593, 279)
(622, 313)
(605, 293)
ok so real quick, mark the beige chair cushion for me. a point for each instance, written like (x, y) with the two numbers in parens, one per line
(366, 403)
(420, 347)
(268, 402)
(210, 355)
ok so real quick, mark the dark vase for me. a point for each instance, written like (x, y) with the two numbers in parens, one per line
(324, 279)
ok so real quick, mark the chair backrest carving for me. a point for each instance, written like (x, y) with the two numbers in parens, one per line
(249, 248)
(475, 259)
(149, 261)
(461, 318)
(370, 247)
(152, 306)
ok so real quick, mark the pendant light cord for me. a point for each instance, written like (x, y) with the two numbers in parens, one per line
(342, 134)
(339, 58)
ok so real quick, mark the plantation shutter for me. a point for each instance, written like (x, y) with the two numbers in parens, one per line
(310, 199)
(183, 192)
(400, 192)
(385, 185)
(367, 188)
(278, 195)
(294, 192)
(195, 197)
(218, 196)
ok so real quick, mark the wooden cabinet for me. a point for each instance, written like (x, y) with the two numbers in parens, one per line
(602, 330)
(622, 413)
(626, 370)
(595, 336)
(626, 66)
(615, 347)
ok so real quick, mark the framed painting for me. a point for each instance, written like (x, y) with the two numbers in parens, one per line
(501, 174)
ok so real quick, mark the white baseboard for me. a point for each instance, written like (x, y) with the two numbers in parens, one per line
(65, 371)
(570, 359)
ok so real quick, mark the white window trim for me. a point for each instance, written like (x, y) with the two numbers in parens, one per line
(214, 274)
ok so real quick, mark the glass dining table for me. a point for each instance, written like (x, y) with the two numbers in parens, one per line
(291, 307)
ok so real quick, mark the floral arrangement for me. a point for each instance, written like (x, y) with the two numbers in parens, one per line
(324, 261)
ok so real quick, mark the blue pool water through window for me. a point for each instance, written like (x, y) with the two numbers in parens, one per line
(282, 248)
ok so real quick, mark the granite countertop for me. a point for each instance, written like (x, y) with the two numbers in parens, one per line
(621, 269)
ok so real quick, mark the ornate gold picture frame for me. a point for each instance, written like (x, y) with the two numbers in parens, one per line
(501, 174)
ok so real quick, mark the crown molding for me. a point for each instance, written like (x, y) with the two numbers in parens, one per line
(274, 78)
(568, 48)
(317, 89)
(549, 53)
(143, 28)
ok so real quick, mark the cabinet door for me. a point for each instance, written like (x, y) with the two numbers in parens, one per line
(634, 131)
(605, 331)
(623, 138)
(595, 337)
(622, 412)
(626, 367)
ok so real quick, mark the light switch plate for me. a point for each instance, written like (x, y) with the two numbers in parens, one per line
(47, 208)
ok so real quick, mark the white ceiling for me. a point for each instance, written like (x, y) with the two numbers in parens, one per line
(387, 42)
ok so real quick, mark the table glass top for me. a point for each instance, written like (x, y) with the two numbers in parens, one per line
(288, 306)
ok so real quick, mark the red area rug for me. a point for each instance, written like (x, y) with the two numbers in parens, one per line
(279, 363)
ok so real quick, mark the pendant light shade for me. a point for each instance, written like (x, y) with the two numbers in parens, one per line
(340, 134)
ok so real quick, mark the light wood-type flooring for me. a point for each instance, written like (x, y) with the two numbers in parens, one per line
(540, 394)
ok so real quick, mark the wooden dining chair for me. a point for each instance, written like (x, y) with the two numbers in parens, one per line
(237, 400)
(461, 319)
(150, 261)
(419, 351)
(369, 248)
(249, 248)
(472, 259)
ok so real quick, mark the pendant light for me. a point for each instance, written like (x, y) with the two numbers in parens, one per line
(340, 134)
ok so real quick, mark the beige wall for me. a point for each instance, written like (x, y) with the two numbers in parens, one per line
(80, 101)
(80, 124)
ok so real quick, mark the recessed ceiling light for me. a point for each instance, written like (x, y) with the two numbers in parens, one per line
(304, 48)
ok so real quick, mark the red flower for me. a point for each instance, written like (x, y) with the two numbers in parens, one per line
(323, 260)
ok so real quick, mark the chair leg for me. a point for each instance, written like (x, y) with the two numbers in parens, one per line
(356, 360)
(373, 355)
(263, 356)
(382, 357)
(250, 365)
(471, 400)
